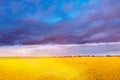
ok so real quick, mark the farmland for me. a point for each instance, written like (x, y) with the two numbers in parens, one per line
(69, 68)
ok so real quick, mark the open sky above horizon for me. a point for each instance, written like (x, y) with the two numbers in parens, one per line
(59, 21)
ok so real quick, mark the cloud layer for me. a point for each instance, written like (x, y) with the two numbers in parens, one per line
(59, 21)
(60, 50)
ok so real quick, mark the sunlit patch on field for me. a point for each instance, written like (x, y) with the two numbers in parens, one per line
(76, 68)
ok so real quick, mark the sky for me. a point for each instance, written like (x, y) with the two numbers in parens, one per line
(96, 49)
(33, 22)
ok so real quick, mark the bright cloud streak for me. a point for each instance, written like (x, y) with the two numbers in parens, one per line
(61, 50)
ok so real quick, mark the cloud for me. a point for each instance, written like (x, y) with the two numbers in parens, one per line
(59, 22)
(60, 50)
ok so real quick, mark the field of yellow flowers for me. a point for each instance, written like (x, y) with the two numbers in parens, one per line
(70, 68)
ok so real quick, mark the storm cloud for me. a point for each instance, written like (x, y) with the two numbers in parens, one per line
(59, 21)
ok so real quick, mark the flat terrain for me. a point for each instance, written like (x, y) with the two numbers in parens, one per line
(75, 68)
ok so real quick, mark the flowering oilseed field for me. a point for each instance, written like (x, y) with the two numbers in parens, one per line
(69, 68)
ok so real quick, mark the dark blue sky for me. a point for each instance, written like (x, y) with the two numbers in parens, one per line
(59, 21)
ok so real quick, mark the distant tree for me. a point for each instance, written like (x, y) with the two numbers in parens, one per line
(92, 55)
(108, 55)
(79, 56)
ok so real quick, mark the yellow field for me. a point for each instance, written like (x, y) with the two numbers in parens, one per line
(77, 68)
